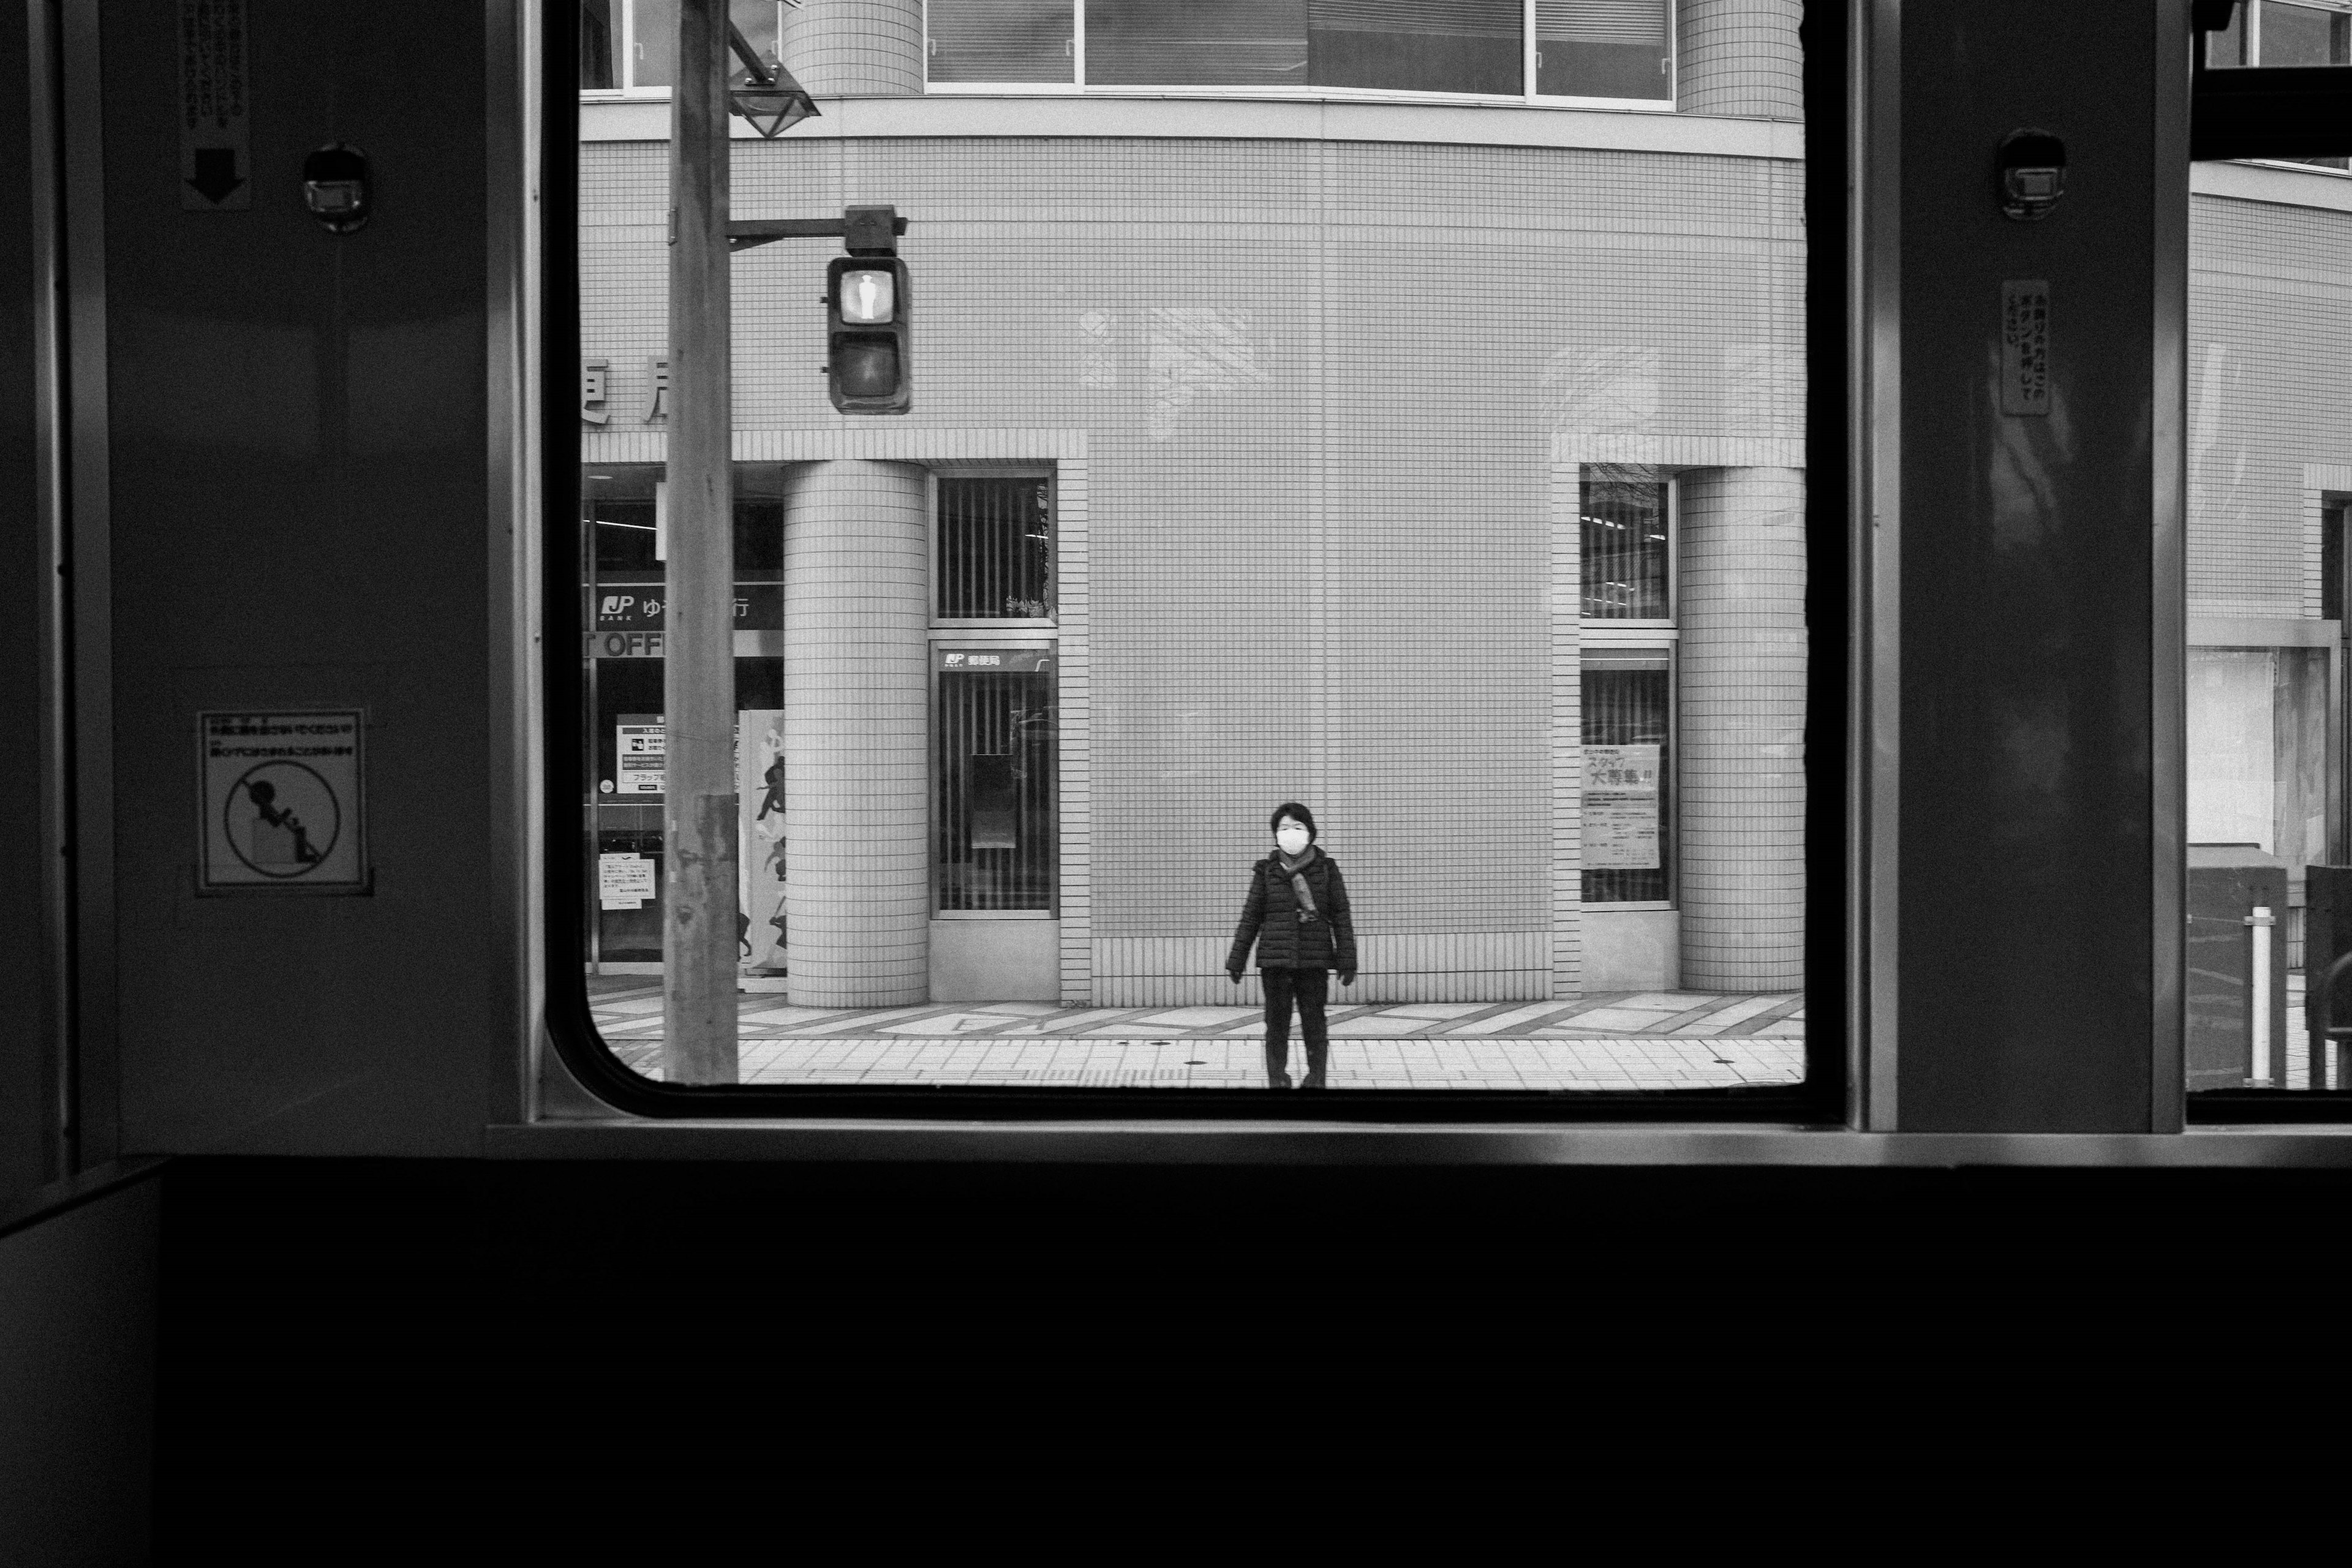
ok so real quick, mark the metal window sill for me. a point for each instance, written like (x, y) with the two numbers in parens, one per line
(1323, 1142)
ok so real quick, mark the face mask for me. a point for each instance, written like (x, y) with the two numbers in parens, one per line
(1293, 840)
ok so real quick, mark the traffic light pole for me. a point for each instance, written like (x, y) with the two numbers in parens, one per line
(699, 921)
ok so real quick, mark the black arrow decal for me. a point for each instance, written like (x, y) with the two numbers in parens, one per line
(216, 177)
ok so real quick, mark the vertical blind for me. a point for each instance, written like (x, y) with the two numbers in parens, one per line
(995, 550)
(1623, 534)
(1002, 40)
(1602, 21)
(996, 785)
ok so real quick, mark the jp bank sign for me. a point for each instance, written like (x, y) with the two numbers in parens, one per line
(625, 622)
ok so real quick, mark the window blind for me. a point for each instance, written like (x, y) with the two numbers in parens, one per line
(1640, 22)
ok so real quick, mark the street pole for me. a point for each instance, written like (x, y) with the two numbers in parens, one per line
(699, 631)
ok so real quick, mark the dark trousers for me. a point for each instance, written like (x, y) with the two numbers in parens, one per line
(1310, 988)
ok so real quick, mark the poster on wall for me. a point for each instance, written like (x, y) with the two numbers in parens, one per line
(1621, 809)
(639, 753)
(760, 852)
(624, 880)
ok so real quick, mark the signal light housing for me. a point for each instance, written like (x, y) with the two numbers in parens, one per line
(868, 364)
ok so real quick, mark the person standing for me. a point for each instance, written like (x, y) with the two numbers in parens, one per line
(1299, 919)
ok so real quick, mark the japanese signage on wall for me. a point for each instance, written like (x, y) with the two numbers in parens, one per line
(625, 621)
(1621, 809)
(283, 803)
(2025, 346)
(215, 143)
(623, 880)
(994, 660)
(640, 751)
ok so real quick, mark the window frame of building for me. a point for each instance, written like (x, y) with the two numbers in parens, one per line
(2243, 39)
(1650, 625)
(1668, 654)
(1008, 632)
(1047, 622)
(1078, 84)
(626, 88)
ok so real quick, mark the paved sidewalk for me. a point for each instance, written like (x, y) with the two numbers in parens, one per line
(1657, 1039)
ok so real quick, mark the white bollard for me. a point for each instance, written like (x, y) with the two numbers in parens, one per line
(2258, 993)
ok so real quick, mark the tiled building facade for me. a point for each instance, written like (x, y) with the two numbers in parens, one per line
(1321, 387)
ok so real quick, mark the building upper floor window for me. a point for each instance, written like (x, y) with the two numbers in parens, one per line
(1614, 49)
(2280, 33)
(631, 46)
(993, 547)
(2277, 33)
(1624, 550)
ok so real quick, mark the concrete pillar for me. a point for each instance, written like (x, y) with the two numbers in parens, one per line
(857, 736)
(855, 49)
(1742, 817)
(1739, 56)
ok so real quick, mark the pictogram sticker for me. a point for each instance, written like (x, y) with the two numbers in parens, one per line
(283, 802)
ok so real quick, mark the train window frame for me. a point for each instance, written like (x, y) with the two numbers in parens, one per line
(1820, 1099)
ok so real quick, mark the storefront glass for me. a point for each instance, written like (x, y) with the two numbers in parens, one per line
(1628, 751)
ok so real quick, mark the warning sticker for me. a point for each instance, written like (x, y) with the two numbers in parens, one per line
(215, 148)
(284, 809)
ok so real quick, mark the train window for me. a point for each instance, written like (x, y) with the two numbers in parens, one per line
(1371, 658)
(2268, 725)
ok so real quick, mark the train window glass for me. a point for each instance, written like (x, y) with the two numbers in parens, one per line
(2266, 713)
(1241, 666)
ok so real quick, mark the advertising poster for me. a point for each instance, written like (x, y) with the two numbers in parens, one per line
(638, 753)
(1621, 809)
(759, 843)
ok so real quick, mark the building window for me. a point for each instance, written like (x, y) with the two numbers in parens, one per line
(631, 46)
(995, 779)
(1604, 49)
(1001, 41)
(1628, 723)
(993, 549)
(1624, 550)
(1617, 50)
(2276, 33)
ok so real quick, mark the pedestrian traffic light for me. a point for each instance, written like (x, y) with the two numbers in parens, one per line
(868, 367)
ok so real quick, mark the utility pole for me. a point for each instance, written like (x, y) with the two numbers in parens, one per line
(698, 935)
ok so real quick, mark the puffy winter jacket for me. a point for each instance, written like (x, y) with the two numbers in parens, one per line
(1270, 918)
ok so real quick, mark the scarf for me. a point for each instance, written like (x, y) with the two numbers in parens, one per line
(1297, 869)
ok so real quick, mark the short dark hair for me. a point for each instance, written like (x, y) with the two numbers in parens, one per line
(1295, 812)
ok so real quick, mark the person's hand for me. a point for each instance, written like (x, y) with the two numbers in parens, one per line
(1234, 975)
(1346, 977)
